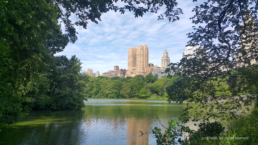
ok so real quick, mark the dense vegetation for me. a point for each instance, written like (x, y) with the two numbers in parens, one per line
(145, 87)
(225, 32)
(129, 87)
(218, 121)
(31, 76)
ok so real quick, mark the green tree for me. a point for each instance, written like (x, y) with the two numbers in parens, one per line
(106, 87)
(115, 78)
(222, 89)
(126, 90)
(219, 46)
(116, 88)
(89, 88)
(159, 86)
(149, 78)
(68, 85)
(30, 35)
(155, 78)
(138, 78)
(144, 93)
(136, 86)
(222, 42)
(128, 79)
(170, 135)
(96, 87)
(226, 35)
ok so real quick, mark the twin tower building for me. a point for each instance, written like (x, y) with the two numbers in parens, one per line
(138, 61)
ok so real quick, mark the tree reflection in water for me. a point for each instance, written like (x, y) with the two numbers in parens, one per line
(111, 123)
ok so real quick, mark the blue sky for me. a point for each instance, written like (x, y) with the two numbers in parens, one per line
(102, 46)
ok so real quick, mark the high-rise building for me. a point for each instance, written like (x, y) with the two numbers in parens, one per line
(97, 74)
(189, 53)
(89, 72)
(165, 61)
(190, 50)
(138, 61)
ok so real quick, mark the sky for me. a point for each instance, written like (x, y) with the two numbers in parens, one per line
(102, 46)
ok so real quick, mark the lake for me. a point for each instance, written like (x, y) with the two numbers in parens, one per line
(100, 122)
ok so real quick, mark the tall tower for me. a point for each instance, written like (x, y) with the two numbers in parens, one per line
(97, 74)
(142, 59)
(131, 59)
(138, 61)
(146, 56)
(89, 72)
(165, 60)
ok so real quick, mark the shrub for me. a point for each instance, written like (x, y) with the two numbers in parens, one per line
(208, 129)
(228, 102)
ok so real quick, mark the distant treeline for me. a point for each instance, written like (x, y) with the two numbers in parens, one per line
(145, 87)
(129, 87)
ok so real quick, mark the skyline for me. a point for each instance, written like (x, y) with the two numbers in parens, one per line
(102, 46)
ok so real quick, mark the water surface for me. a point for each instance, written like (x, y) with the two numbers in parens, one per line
(101, 122)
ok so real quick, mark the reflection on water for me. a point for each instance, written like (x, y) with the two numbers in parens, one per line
(101, 122)
(138, 131)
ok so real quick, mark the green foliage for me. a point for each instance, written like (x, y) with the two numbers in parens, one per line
(201, 76)
(29, 36)
(159, 87)
(176, 89)
(228, 102)
(96, 87)
(150, 78)
(126, 90)
(136, 86)
(222, 42)
(116, 88)
(170, 135)
(207, 129)
(144, 93)
(246, 126)
(129, 87)
(68, 85)
(61, 89)
(255, 112)
(222, 89)
(241, 131)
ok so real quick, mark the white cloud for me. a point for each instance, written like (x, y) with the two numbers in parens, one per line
(104, 45)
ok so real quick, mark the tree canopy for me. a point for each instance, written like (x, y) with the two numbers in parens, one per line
(226, 35)
(225, 32)
(31, 77)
